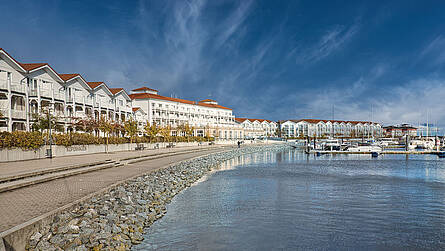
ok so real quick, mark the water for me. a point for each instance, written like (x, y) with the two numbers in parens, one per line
(276, 201)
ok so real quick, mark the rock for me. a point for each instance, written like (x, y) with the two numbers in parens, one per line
(116, 219)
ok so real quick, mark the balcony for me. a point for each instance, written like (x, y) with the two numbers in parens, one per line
(33, 92)
(46, 93)
(3, 84)
(18, 88)
(79, 100)
(18, 114)
(59, 95)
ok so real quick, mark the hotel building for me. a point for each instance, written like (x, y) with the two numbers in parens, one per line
(396, 131)
(207, 117)
(326, 128)
(255, 128)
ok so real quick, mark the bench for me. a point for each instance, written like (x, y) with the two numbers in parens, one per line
(170, 145)
(140, 147)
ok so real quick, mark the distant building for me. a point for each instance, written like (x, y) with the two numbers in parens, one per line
(255, 128)
(397, 131)
(428, 129)
(325, 128)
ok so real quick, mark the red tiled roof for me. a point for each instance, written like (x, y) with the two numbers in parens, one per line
(155, 96)
(30, 67)
(213, 106)
(116, 90)
(94, 84)
(144, 89)
(1, 49)
(241, 120)
(67, 77)
(207, 100)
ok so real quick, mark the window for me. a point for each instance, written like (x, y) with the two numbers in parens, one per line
(121, 102)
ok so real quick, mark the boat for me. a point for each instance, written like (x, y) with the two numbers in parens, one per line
(364, 148)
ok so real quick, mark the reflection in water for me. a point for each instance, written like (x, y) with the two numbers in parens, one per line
(290, 200)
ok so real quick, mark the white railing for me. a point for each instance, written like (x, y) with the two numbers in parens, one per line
(88, 101)
(18, 114)
(18, 88)
(69, 99)
(45, 93)
(3, 84)
(59, 95)
(79, 100)
(33, 92)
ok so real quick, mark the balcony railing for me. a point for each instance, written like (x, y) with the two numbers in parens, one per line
(18, 114)
(59, 95)
(69, 99)
(46, 93)
(33, 92)
(18, 88)
(3, 84)
(79, 100)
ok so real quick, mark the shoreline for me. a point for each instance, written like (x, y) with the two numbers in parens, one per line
(116, 219)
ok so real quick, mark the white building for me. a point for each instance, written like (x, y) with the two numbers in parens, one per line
(255, 128)
(27, 89)
(206, 116)
(329, 128)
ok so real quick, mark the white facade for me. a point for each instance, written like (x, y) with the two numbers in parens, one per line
(255, 128)
(329, 128)
(26, 89)
(206, 116)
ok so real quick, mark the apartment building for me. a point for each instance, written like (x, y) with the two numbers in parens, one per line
(207, 117)
(329, 128)
(397, 131)
(30, 88)
(256, 128)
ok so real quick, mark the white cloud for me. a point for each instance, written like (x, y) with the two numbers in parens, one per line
(233, 22)
(406, 103)
(332, 40)
(434, 51)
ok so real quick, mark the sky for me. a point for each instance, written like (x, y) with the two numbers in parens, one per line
(345, 60)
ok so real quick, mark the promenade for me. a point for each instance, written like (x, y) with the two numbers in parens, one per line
(21, 205)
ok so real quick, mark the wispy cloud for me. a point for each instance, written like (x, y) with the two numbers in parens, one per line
(233, 22)
(434, 51)
(332, 40)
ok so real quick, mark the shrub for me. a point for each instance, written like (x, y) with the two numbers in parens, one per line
(23, 140)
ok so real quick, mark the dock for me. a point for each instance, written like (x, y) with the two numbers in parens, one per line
(382, 152)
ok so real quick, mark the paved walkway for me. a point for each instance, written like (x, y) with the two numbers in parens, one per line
(21, 205)
(20, 167)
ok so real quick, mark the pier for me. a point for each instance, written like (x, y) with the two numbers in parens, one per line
(382, 152)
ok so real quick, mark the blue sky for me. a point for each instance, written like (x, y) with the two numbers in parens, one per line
(383, 60)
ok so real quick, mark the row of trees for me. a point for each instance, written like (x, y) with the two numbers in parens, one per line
(109, 128)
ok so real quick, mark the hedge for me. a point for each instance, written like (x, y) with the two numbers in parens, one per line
(34, 140)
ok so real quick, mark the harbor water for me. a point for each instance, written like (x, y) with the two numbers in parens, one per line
(293, 201)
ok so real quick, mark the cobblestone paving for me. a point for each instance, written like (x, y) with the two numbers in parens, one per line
(23, 204)
(14, 168)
